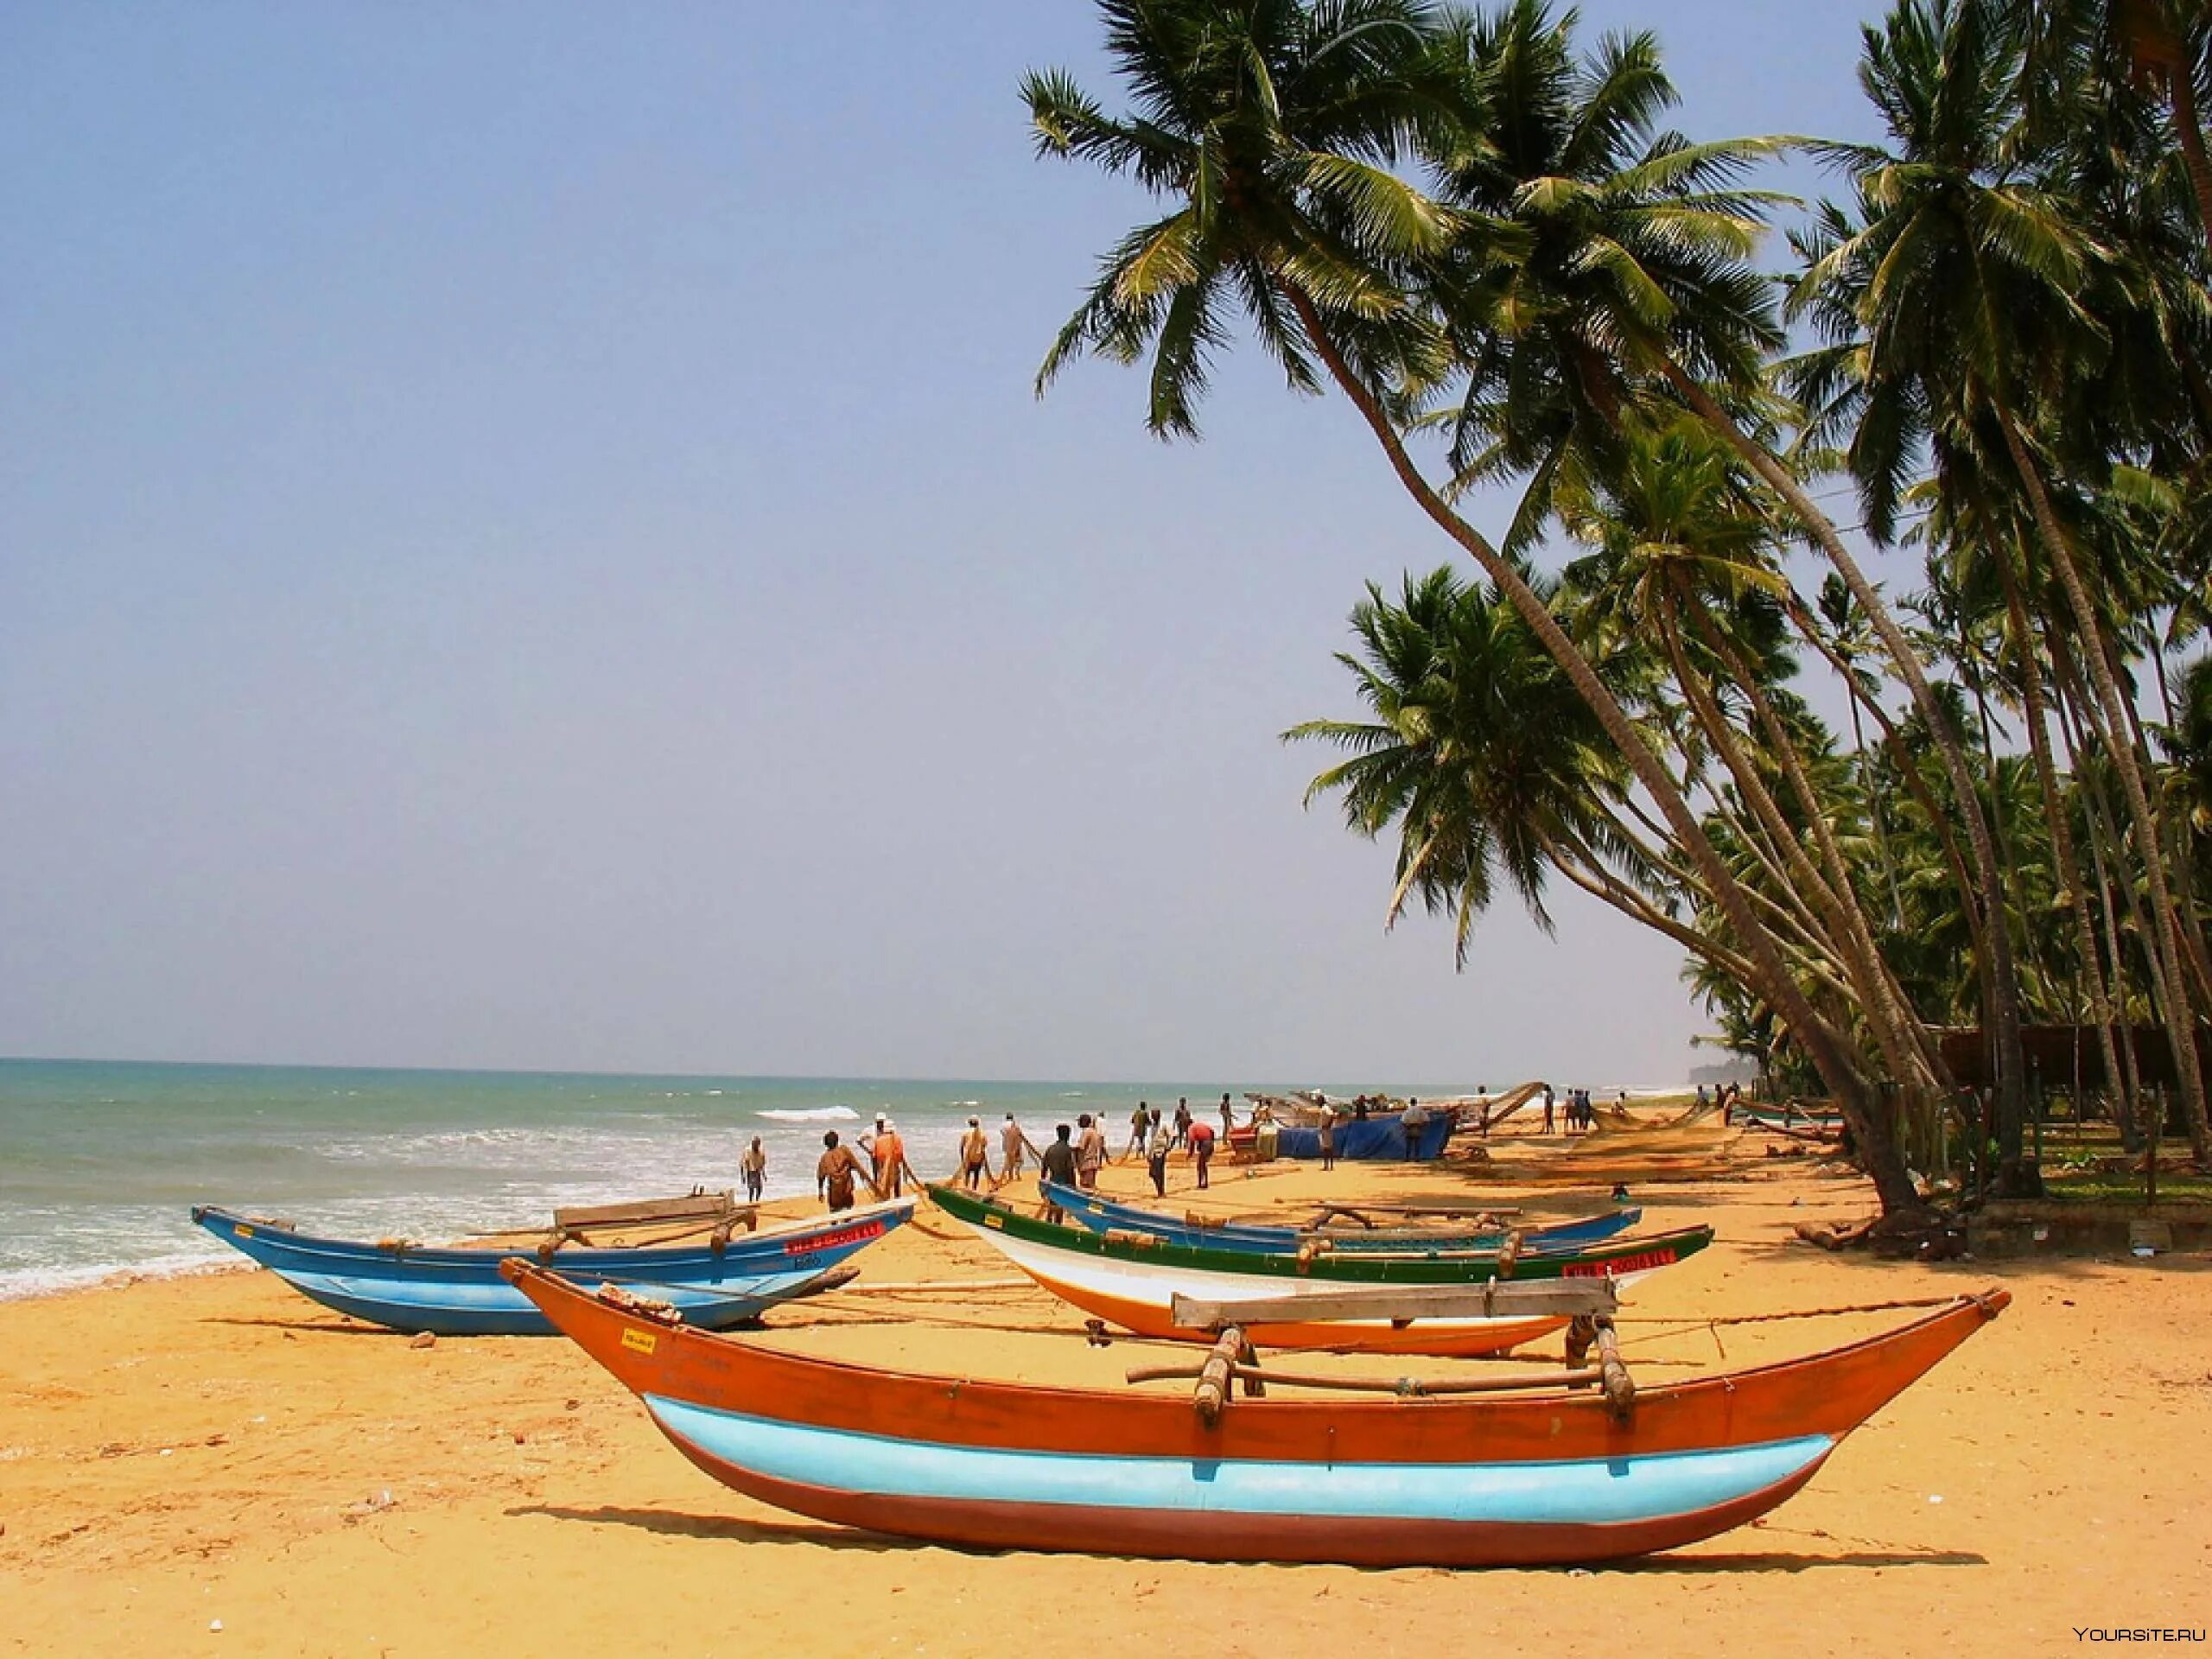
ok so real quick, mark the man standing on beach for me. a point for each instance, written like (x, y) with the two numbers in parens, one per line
(1012, 1141)
(1548, 1108)
(1055, 1166)
(1182, 1120)
(1228, 1118)
(886, 1150)
(1156, 1150)
(834, 1175)
(1328, 1136)
(975, 1155)
(1413, 1122)
(1140, 1129)
(754, 1167)
(1202, 1149)
(1089, 1152)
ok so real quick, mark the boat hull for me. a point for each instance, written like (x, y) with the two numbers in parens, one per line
(1549, 1477)
(1098, 1215)
(462, 1292)
(1142, 1301)
(1133, 1282)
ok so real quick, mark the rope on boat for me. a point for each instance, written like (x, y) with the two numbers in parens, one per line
(1683, 1327)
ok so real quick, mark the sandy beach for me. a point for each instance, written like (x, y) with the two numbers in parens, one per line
(215, 1464)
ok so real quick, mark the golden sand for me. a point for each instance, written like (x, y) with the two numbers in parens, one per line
(179, 1454)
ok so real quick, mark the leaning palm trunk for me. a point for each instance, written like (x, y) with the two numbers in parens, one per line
(2167, 946)
(2104, 822)
(2062, 833)
(1771, 979)
(1900, 753)
(2002, 973)
(1861, 959)
(1914, 1060)
(2181, 92)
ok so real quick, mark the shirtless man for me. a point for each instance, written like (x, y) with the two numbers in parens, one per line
(975, 1155)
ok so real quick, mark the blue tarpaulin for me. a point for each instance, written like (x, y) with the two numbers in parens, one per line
(1372, 1137)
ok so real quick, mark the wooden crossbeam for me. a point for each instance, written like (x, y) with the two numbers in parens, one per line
(1560, 1298)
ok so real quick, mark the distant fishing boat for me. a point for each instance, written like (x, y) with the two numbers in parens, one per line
(1132, 1281)
(1103, 1215)
(1789, 1118)
(411, 1287)
(1553, 1474)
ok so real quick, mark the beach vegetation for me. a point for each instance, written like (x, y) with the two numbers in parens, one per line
(1484, 231)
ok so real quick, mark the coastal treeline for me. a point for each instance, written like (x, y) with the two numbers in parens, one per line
(1700, 400)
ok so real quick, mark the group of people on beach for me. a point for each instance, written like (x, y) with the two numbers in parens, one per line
(1578, 1114)
(1073, 1158)
(1078, 1151)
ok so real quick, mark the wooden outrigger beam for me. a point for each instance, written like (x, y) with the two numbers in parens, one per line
(1408, 1388)
(1437, 1209)
(1565, 1299)
(700, 1209)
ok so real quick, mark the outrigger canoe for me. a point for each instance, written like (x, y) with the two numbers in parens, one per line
(1103, 1215)
(1789, 1118)
(1132, 1281)
(1550, 1477)
(460, 1292)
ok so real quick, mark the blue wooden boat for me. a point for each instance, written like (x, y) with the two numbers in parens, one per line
(1102, 1215)
(460, 1293)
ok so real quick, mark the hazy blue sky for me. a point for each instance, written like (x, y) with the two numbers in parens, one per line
(526, 540)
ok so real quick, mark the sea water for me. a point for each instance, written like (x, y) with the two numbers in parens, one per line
(100, 1162)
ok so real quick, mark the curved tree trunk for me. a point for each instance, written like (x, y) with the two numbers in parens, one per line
(2181, 90)
(2003, 974)
(1773, 984)
(1887, 1004)
(2167, 944)
(2062, 830)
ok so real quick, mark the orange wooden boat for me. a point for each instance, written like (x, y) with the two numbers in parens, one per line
(1562, 1475)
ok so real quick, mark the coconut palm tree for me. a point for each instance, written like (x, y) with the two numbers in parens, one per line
(1269, 128)
(1952, 293)
(1634, 284)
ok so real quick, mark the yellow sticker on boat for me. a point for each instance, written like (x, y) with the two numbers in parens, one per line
(245, 1231)
(994, 1221)
(642, 1342)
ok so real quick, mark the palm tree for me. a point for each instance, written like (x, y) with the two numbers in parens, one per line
(1685, 555)
(1483, 759)
(1270, 126)
(1637, 283)
(1952, 298)
(1479, 750)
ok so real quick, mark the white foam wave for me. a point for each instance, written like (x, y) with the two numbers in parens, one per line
(810, 1114)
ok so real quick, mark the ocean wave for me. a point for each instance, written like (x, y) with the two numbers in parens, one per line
(19, 1283)
(810, 1114)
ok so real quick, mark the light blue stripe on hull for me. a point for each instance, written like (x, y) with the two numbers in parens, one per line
(1623, 1490)
(453, 1308)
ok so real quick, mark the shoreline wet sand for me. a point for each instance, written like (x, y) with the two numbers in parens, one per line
(178, 1453)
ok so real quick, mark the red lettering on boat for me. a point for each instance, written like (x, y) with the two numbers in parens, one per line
(837, 1240)
(1644, 1263)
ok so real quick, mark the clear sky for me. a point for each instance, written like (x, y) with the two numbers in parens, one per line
(526, 540)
